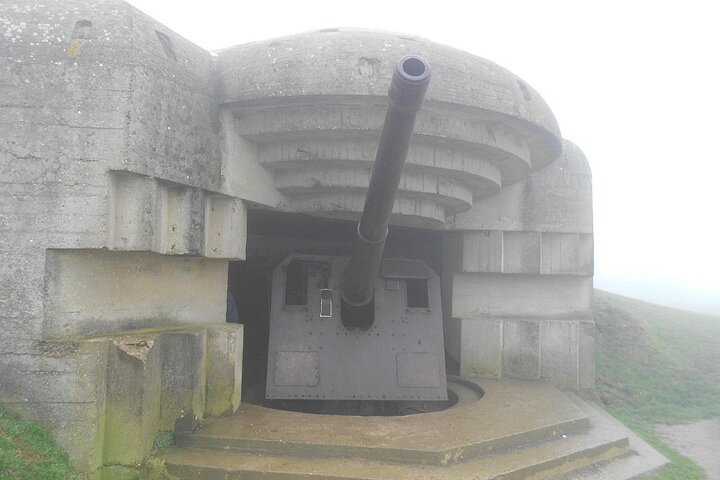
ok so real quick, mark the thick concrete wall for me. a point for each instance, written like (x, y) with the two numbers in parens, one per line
(87, 88)
(519, 279)
(95, 100)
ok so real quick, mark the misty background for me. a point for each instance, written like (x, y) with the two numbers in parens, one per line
(636, 85)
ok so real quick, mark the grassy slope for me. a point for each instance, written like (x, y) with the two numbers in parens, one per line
(27, 451)
(657, 365)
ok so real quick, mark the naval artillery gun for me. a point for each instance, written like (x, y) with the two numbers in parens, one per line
(363, 327)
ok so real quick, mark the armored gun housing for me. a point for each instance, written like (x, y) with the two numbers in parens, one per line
(385, 341)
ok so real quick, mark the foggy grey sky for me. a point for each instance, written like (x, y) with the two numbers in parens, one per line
(636, 85)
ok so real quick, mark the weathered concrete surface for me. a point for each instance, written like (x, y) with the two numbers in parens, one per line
(281, 67)
(224, 370)
(149, 214)
(184, 379)
(641, 460)
(107, 397)
(312, 105)
(90, 87)
(502, 435)
(478, 295)
(91, 292)
(557, 198)
(132, 404)
(510, 413)
(520, 296)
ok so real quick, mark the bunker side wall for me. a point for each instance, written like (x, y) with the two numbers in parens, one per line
(110, 146)
(522, 288)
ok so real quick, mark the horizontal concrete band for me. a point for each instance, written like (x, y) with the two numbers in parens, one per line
(98, 291)
(527, 252)
(478, 295)
(148, 214)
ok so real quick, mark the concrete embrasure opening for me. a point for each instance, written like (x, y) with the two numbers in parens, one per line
(272, 236)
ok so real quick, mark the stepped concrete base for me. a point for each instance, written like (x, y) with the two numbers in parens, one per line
(518, 429)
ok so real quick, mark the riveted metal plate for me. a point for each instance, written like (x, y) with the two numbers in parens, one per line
(401, 357)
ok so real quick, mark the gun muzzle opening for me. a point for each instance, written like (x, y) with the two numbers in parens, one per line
(414, 68)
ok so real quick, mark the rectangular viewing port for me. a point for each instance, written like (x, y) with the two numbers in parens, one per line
(296, 283)
(417, 293)
(326, 303)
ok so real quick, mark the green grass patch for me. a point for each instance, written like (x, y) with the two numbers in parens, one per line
(657, 365)
(28, 452)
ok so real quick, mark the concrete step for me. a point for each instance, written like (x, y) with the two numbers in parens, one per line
(638, 462)
(426, 456)
(518, 430)
(544, 460)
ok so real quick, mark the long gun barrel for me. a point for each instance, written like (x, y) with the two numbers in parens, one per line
(407, 91)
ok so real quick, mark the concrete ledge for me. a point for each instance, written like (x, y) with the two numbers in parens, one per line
(150, 214)
(482, 295)
(91, 292)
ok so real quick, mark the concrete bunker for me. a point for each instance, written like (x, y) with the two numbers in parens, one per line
(157, 175)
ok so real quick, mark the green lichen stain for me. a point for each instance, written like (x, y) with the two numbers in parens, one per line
(118, 472)
(74, 47)
(124, 442)
(154, 469)
(218, 400)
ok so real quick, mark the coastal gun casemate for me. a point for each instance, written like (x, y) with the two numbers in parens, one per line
(364, 327)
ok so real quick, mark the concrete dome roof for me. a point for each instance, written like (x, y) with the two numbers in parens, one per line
(355, 62)
(313, 107)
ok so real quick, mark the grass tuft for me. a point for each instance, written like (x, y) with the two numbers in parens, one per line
(28, 452)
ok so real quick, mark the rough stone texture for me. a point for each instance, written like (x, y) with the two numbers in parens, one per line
(225, 227)
(64, 385)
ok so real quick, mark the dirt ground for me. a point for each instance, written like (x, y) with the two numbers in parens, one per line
(699, 441)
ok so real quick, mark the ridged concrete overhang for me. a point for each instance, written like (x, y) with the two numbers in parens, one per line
(314, 106)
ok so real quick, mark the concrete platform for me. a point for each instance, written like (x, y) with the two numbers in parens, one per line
(517, 430)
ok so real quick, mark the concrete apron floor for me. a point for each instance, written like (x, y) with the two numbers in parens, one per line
(518, 429)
